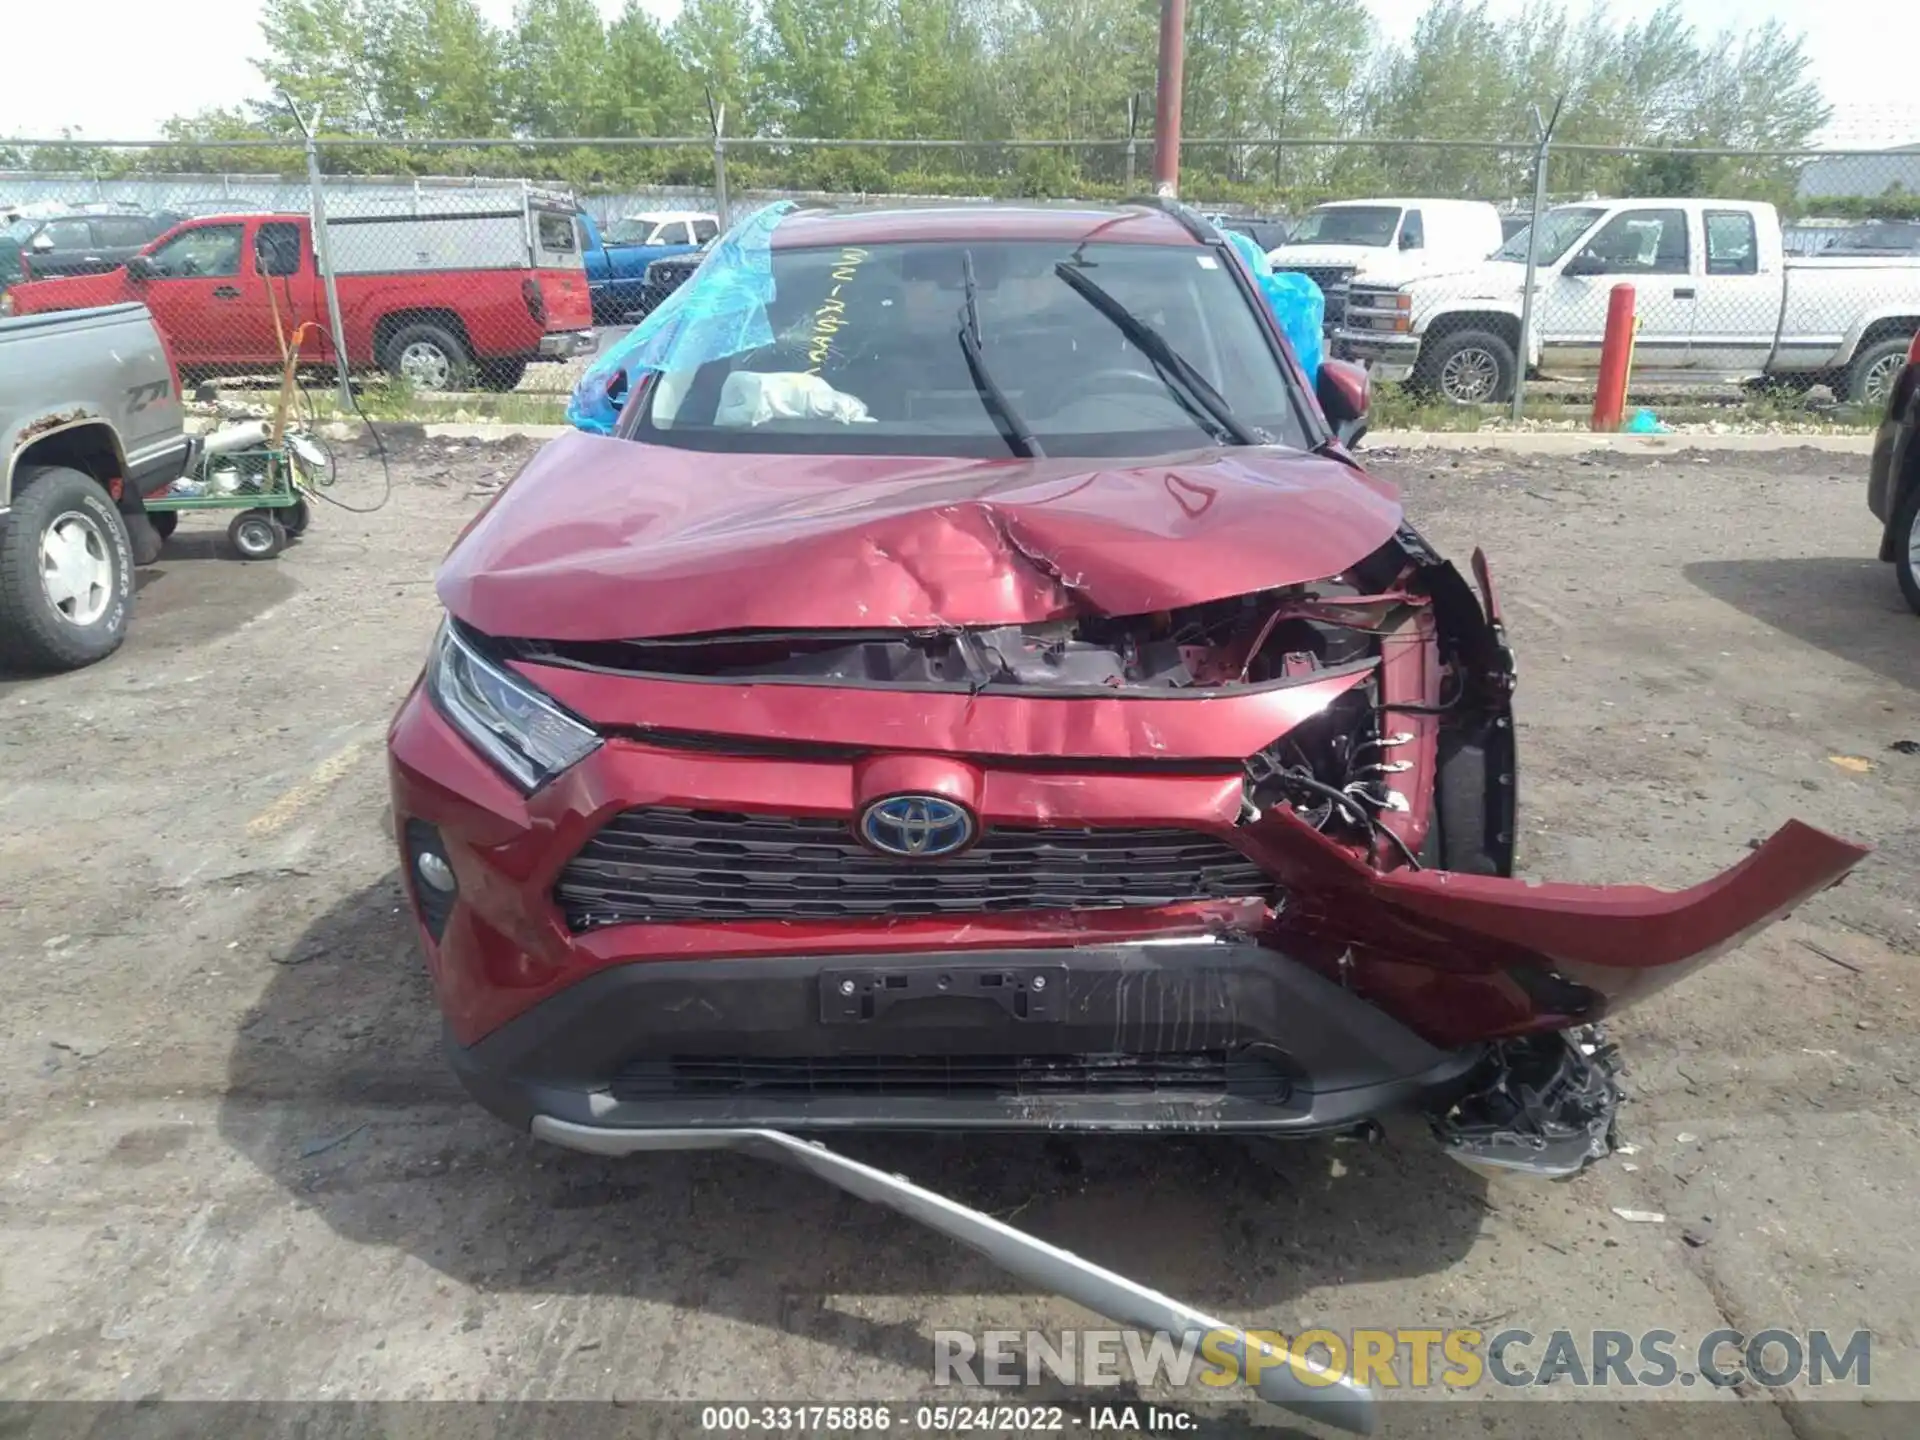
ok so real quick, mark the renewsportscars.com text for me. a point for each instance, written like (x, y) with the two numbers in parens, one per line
(1413, 1359)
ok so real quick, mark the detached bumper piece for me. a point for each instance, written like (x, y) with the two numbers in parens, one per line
(1544, 1106)
(1329, 1399)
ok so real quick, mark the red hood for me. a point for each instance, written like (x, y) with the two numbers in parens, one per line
(70, 292)
(601, 539)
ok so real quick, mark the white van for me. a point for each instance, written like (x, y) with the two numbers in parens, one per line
(1386, 242)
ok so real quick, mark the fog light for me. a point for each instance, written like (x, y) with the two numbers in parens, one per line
(436, 872)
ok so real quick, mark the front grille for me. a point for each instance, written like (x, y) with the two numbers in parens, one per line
(1212, 1073)
(663, 864)
(1333, 281)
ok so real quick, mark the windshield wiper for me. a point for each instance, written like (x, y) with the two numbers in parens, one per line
(1192, 389)
(1018, 437)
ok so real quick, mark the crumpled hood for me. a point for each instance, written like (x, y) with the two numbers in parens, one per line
(603, 539)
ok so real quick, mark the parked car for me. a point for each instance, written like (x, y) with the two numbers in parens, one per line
(667, 275)
(81, 242)
(1266, 231)
(1028, 733)
(1877, 237)
(444, 300)
(1716, 294)
(1385, 242)
(1893, 483)
(617, 263)
(90, 425)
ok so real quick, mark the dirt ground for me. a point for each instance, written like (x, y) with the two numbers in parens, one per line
(234, 1166)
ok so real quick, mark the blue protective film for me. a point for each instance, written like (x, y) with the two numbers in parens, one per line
(720, 310)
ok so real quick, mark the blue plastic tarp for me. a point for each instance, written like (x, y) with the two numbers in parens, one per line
(720, 310)
(1297, 303)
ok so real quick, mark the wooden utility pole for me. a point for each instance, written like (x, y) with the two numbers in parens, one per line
(1166, 113)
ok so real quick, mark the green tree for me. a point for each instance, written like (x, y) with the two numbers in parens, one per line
(441, 70)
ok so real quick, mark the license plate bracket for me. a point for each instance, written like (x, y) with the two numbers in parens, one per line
(857, 996)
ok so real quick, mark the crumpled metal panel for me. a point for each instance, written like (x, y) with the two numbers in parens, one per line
(604, 539)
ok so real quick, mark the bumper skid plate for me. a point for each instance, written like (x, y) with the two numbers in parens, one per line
(1280, 1380)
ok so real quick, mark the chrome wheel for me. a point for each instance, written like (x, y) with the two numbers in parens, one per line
(1470, 376)
(1876, 386)
(426, 366)
(1913, 543)
(76, 568)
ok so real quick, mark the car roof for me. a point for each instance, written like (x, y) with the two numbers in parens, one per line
(656, 216)
(1122, 224)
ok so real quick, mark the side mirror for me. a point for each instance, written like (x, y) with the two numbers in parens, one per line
(1585, 263)
(1409, 242)
(141, 267)
(1345, 392)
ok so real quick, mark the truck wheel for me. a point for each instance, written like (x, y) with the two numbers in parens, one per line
(1871, 376)
(164, 522)
(1906, 544)
(502, 375)
(66, 572)
(426, 356)
(1468, 367)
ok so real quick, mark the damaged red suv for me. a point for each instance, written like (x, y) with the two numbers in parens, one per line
(987, 693)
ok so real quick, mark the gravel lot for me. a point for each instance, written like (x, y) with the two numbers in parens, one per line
(233, 1165)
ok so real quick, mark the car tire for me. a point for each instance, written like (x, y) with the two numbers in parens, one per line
(428, 357)
(1870, 378)
(164, 522)
(1904, 531)
(502, 375)
(1468, 367)
(63, 521)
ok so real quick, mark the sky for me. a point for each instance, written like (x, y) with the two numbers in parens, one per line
(1862, 52)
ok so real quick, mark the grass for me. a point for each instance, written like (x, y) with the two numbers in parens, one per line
(1397, 408)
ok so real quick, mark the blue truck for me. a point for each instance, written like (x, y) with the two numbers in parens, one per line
(617, 260)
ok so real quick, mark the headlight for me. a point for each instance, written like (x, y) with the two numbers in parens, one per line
(503, 717)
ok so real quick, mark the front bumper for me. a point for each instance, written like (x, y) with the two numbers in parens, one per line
(1236, 1037)
(564, 344)
(1390, 356)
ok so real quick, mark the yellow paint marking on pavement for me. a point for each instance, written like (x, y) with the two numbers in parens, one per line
(316, 783)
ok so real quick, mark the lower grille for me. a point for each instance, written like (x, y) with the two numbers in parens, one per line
(662, 864)
(1200, 1073)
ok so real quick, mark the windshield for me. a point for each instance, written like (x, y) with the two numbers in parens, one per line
(21, 230)
(867, 356)
(631, 230)
(1898, 236)
(1347, 225)
(1559, 228)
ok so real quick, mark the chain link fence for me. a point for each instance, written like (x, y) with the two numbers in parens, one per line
(458, 279)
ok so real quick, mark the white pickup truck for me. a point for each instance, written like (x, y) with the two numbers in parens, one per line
(1716, 296)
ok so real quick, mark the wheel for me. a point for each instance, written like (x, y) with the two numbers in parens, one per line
(1870, 378)
(295, 519)
(164, 522)
(1906, 544)
(66, 572)
(256, 535)
(502, 375)
(426, 356)
(1468, 367)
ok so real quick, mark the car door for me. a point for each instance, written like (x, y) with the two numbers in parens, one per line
(118, 238)
(63, 247)
(194, 290)
(1648, 248)
(1738, 310)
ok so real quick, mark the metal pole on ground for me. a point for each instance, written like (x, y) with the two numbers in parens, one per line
(1166, 113)
(1543, 131)
(321, 254)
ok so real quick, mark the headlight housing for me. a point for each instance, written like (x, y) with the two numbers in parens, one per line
(529, 737)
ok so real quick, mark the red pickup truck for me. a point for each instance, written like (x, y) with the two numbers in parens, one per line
(445, 300)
